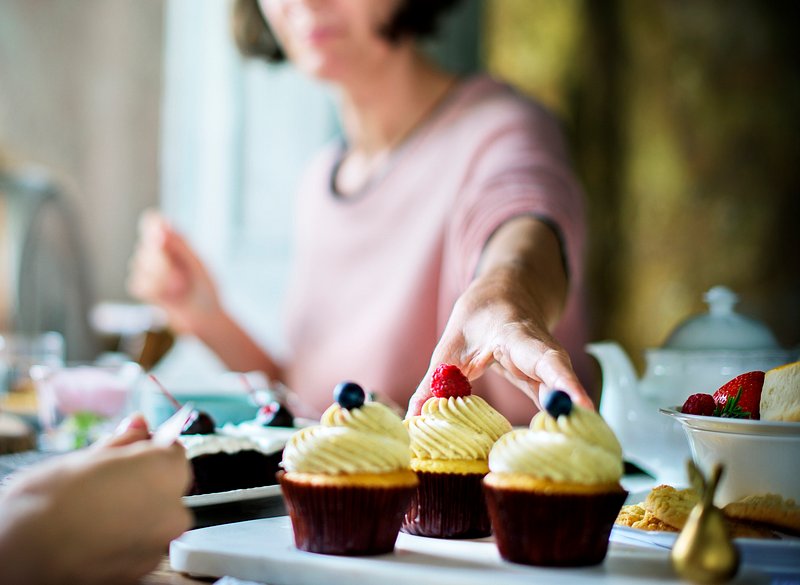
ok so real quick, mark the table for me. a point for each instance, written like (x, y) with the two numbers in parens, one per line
(15, 434)
(164, 575)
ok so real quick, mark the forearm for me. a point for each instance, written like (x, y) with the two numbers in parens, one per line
(523, 261)
(235, 347)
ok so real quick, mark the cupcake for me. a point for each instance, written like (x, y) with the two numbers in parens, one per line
(347, 481)
(450, 444)
(553, 490)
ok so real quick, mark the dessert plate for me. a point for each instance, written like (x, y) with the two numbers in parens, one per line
(256, 493)
(765, 554)
(772, 428)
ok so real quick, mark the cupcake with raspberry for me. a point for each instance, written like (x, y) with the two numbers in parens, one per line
(553, 490)
(450, 443)
(347, 482)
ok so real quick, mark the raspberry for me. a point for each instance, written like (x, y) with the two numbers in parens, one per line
(702, 404)
(447, 381)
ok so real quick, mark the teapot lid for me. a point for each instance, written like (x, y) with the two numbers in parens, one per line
(721, 327)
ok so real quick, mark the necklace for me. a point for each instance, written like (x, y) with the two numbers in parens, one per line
(354, 173)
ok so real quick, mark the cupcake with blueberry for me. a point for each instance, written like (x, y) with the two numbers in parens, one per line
(347, 481)
(450, 443)
(553, 490)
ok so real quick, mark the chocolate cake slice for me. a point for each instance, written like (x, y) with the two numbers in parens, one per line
(223, 463)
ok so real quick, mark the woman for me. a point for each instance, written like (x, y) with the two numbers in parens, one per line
(447, 227)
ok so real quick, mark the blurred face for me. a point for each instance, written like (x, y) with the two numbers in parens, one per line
(334, 40)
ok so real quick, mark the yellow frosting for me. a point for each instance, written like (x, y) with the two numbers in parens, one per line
(371, 417)
(369, 439)
(455, 429)
(581, 423)
(581, 451)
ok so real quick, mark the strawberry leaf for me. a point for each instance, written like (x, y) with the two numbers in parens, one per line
(731, 408)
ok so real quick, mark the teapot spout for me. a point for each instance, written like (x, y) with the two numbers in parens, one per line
(619, 376)
(648, 438)
(619, 396)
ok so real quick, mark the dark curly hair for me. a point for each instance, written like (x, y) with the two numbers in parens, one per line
(254, 38)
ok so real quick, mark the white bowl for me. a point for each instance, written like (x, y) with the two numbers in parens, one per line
(759, 456)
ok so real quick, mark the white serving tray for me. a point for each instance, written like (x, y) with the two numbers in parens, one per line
(263, 551)
(255, 493)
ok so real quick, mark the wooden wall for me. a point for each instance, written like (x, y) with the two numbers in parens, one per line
(683, 117)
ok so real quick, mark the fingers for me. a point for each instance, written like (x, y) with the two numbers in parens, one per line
(130, 430)
(418, 399)
(541, 364)
(533, 362)
(150, 269)
(451, 349)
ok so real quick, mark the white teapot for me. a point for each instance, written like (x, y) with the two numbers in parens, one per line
(701, 355)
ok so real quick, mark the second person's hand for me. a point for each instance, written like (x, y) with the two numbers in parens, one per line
(167, 272)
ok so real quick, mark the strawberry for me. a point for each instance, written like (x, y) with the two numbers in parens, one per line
(702, 404)
(740, 398)
(447, 381)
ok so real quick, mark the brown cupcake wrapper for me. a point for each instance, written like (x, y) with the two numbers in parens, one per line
(345, 520)
(563, 530)
(448, 505)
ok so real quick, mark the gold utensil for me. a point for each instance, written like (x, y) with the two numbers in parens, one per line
(704, 552)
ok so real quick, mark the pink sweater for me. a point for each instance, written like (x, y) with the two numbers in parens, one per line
(376, 274)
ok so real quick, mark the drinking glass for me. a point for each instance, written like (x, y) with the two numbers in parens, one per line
(20, 351)
(80, 402)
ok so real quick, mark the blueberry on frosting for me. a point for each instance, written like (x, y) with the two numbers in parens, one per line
(349, 395)
(557, 403)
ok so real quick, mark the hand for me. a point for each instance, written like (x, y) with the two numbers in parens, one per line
(166, 272)
(102, 515)
(503, 319)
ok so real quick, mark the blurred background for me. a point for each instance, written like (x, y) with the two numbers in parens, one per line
(682, 115)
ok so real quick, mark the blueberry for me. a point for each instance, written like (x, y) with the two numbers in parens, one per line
(275, 414)
(200, 423)
(557, 403)
(349, 395)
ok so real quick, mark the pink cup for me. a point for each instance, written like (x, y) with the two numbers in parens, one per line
(79, 403)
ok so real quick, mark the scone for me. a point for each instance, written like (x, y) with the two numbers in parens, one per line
(347, 482)
(780, 395)
(670, 505)
(450, 444)
(553, 490)
(666, 509)
(769, 509)
(636, 516)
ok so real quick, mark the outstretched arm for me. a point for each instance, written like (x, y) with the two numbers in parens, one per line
(504, 318)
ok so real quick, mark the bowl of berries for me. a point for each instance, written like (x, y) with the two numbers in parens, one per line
(751, 425)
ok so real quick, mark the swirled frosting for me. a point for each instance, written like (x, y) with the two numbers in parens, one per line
(368, 439)
(576, 448)
(582, 424)
(455, 428)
